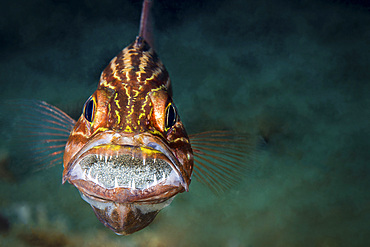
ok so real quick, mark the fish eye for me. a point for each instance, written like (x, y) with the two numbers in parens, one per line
(89, 108)
(171, 116)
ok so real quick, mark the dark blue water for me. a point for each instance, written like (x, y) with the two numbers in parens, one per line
(294, 72)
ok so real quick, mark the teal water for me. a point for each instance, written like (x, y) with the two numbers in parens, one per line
(295, 72)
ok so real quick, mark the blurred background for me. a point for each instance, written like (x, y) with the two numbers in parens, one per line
(296, 73)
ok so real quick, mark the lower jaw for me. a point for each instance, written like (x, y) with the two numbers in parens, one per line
(125, 218)
(154, 195)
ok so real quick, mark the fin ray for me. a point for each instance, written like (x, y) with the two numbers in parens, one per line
(222, 158)
(42, 131)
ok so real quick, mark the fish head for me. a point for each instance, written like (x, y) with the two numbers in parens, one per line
(129, 153)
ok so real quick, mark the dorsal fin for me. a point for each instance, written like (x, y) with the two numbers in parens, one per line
(145, 22)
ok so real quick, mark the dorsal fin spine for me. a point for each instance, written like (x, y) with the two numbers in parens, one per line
(145, 22)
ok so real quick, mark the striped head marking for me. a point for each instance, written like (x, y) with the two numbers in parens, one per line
(129, 153)
(131, 80)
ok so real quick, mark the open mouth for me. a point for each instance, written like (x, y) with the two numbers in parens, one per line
(136, 168)
(126, 169)
(101, 168)
(126, 179)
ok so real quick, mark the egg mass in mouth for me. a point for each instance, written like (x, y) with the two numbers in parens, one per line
(124, 171)
(124, 167)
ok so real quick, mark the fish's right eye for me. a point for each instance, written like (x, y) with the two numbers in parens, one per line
(89, 109)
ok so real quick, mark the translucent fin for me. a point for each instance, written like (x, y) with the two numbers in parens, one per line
(222, 158)
(42, 131)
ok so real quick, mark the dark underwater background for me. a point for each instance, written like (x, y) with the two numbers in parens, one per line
(296, 73)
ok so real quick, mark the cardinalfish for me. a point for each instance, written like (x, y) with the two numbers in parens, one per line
(129, 154)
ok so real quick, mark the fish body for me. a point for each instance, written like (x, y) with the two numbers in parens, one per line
(128, 154)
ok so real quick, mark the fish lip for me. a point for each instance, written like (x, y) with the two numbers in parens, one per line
(124, 195)
(144, 140)
(148, 200)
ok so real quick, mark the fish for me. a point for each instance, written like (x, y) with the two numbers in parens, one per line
(129, 154)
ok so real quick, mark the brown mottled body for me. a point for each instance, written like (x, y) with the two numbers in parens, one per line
(129, 119)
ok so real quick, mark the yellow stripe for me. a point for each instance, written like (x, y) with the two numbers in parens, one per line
(100, 129)
(118, 116)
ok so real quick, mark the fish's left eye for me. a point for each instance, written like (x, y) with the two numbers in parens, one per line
(171, 116)
(89, 109)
